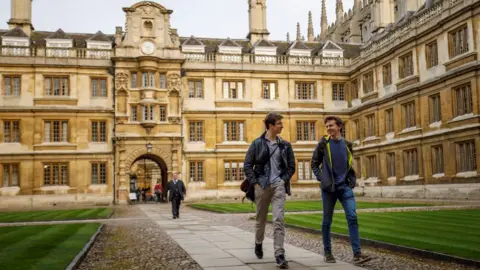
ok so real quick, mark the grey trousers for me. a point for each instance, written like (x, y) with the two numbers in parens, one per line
(274, 194)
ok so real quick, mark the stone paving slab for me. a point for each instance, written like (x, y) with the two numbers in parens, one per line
(215, 246)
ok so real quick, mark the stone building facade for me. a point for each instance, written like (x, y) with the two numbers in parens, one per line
(78, 110)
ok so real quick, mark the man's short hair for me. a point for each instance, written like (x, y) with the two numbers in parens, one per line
(272, 118)
(338, 120)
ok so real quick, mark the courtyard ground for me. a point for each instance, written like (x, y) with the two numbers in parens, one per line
(145, 237)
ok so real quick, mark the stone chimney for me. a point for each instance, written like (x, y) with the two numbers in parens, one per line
(311, 36)
(257, 18)
(21, 15)
(323, 23)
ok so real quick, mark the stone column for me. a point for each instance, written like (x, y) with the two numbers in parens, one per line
(123, 187)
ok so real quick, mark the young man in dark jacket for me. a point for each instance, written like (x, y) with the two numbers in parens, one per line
(269, 164)
(332, 165)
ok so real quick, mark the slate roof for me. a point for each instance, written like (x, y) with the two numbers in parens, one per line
(79, 39)
(211, 46)
(15, 32)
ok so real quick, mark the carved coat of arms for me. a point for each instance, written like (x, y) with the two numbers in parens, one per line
(174, 82)
(121, 80)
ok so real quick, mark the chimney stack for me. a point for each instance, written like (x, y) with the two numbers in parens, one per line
(21, 15)
(257, 18)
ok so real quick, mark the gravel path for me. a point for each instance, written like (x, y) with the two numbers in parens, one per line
(135, 242)
(341, 248)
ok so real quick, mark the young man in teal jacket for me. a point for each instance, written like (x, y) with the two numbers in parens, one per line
(332, 165)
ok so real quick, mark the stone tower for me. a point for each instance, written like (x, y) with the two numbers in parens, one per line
(323, 22)
(21, 15)
(339, 12)
(311, 35)
(257, 18)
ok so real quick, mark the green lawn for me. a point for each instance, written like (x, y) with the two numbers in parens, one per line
(53, 215)
(43, 247)
(290, 206)
(454, 232)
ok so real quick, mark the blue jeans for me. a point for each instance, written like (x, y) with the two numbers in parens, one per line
(346, 197)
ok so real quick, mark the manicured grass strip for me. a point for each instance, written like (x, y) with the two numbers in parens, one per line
(43, 247)
(291, 206)
(53, 215)
(453, 232)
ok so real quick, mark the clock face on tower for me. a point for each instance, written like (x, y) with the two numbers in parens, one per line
(148, 47)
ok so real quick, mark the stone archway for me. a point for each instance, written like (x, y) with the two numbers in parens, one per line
(158, 155)
(143, 177)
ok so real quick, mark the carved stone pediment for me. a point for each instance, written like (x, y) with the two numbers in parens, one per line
(174, 82)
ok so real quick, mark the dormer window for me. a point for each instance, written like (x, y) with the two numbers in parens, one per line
(59, 44)
(15, 42)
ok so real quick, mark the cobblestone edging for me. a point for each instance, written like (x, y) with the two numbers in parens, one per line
(396, 248)
(81, 255)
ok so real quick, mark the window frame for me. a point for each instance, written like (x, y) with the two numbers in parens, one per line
(196, 137)
(452, 48)
(338, 90)
(309, 95)
(98, 80)
(11, 123)
(240, 137)
(431, 54)
(12, 78)
(269, 83)
(437, 155)
(98, 164)
(403, 71)
(52, 78)
(467, 94)
(198, 177)
(99, 131)
(236, 82)
(435, 115)
(61, 130)
(60, 166)
(195, 88)
(240, 171)
(10, 172)
(300, 127)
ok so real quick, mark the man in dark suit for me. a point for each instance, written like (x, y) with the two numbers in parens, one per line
(177, 194)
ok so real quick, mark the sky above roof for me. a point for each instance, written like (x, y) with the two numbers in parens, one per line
(201, 18)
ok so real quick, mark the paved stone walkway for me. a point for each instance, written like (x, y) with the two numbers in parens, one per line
(214, 246)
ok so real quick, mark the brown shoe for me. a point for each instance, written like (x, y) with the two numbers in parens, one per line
(360, 258)
(329, 258)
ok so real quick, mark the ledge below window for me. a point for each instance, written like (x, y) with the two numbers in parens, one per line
(55, 101)
(460, 60)
(410, 80)
(410, 130)
(55, 146)
(306, 104)
(233, 103)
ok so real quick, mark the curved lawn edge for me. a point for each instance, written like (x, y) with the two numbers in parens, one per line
(83, 253)
(394, 248)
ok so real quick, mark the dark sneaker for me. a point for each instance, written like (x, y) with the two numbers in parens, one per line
(259, 251)
(329, 258)
(360, 258)
(282, 262)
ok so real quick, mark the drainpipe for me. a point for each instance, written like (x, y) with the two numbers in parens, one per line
(114, 141)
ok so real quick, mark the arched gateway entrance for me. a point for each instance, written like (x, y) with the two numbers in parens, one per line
(144, 173)
(143, 167)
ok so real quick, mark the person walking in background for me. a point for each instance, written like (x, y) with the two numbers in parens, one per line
(332, 165)
(269, 164)
(177, 194)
